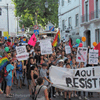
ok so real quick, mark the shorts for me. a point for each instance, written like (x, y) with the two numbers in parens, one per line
(19, 76)
(8, 80)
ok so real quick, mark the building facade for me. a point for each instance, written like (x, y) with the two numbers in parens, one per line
(90, 21)
(69, 18)
(8, 21)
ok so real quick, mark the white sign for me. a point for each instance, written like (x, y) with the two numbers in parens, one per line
(13, 34)
(46, 47)
(21, 50)
(67, 49)
(22, 56)
(81, 54)
(83, 79)
(93, 56)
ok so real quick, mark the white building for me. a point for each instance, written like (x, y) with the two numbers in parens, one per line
(69, 17)
(90, 21)
(11, 21)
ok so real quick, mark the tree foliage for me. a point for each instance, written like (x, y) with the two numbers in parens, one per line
(30, 10)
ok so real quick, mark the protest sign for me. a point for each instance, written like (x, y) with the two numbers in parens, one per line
(83, 79)
(81, 54)
(5, 34)
(21, 53)
(22, 56)
(21, 50)
(93, 56)
(67, 49)
(46, 47)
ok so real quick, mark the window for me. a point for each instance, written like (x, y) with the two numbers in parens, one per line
(69, 21)
(97, 35)
(63, 25)
(0, 33)
(62, 2)
(97, 8)
(69, 1)
(0, 11)
(76, 20)
(86, 10)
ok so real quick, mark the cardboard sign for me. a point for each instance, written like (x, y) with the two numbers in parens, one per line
(67, 49)
(93, 56)
(83, 79)
(46, 47)
(21, 50)
(22, 56)
(81, 54)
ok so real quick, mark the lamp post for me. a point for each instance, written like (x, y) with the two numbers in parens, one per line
(7, 19)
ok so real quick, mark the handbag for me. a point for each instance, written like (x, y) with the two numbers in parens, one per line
(34, 97)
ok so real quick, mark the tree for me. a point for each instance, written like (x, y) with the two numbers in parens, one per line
(31, 10)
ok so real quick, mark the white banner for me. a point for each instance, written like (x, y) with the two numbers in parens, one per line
(67, 49)
(81, 54)
(46, 47)
(84, 79)
(21, 50)
(93, 56)
(21, 57)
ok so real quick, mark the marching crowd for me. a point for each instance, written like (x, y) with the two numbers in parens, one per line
(36, 69)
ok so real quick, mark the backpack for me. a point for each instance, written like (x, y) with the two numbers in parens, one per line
(5, 72)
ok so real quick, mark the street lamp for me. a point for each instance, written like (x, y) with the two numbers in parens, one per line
(7, 19)
(46, 4)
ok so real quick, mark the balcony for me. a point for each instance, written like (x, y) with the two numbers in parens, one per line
(92, 17)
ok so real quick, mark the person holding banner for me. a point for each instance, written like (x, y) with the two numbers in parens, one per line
(69, 92)
(82, 93)
(73, 66)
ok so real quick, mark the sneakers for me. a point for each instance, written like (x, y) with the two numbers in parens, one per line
(86, 98)
(61, 93)
(54, 96)
(72, 95)
(80, 98)
(75, 95)
(57, 94)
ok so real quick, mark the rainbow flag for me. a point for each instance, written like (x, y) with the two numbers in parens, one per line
(3, 62)
(56, 39)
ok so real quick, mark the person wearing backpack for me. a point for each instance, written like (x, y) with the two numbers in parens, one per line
(41, 92)
(8, 78)
(19, 73)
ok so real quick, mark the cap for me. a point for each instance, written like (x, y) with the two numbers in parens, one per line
(61, 60)
(44, 64)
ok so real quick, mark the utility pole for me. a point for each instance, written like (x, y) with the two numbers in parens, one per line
(7, 19)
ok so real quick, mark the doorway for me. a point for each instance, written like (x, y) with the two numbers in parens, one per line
(88, 39)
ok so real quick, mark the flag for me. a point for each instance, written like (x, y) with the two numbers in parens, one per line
(32, 40)
(70, 43)
(98, 48)
(3, 62)
(56, 40)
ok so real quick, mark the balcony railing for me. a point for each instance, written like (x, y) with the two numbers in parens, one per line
(88, 17)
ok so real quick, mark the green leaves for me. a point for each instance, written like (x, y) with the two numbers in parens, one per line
(30, 10)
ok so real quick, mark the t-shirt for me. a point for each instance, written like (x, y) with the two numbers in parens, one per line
(41, 95)
(9, 69)
(31, 67)
(43, 73)
(1, 52)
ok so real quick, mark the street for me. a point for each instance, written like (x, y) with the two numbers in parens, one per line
(23, 94)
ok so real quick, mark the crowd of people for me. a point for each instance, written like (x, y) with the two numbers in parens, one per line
(36, 69)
